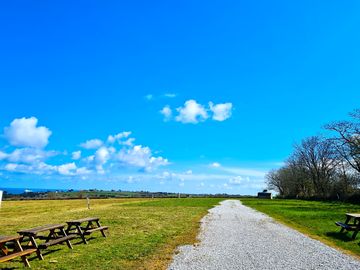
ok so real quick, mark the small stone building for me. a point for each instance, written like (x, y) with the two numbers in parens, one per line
(264, 194)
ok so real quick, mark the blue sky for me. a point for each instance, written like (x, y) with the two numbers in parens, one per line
(240, 82)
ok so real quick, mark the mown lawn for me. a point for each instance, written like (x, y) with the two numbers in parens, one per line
(316, 219)
(143, 233)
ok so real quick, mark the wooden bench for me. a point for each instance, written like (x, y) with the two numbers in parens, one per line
(17, 250)
(350, 227)
(56, 241)
(92, 225)
(56, 234)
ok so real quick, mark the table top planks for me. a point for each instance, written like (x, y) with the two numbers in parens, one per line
(4, 239)
(36, 230)
(354, 215)
(82, 220)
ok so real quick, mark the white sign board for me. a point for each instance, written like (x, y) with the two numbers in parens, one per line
(1, 193)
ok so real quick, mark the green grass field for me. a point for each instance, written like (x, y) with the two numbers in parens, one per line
(315, 219)
(143, 233)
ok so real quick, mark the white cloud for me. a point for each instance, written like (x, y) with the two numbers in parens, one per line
(238, 180)
(3, 155)
(139, 156)
(221, 111)
(76, 155)
(118, 137)
(215, 165)
(82, 171)
(24, 132)
(170, 95)
(191, 112)
(128, 142)
(27, 155)
(92, 144)
(11, 167)
(67, 169)
(102, 155)
(149, 97)
(245, 171)
(166, 112)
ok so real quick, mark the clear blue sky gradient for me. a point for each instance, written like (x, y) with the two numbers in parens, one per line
(83, 70)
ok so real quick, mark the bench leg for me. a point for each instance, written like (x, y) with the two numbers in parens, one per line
(346, 222)
(354, 234)
(81, 233)
(67, 241)
(23, 258)
(38, 252)
(25, 261)
(102, 231)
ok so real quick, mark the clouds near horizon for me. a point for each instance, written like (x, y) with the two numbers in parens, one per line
(29, 157)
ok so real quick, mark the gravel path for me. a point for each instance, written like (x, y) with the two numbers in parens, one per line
(234, 236)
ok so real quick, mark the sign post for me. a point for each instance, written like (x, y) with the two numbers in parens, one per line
(88, 202)
(1, 194)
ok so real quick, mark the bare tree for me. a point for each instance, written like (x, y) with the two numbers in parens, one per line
(347, 141)
(318, 159)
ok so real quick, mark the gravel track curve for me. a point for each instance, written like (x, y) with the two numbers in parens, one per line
(234, 236)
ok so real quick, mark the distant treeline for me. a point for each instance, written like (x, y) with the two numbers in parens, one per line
(323, 167)
(104, 194)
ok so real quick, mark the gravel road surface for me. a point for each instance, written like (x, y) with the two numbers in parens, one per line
(234, 236)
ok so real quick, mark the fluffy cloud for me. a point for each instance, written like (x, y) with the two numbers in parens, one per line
(170, 95)
(24, 132)
(102, 155)
(67, 169)
(191, 112)
(3, 155)
(141, 157)
(105, 157)
(76, 155)
(27, 155)
(118, 137)
(166, 112)
(92, 144)
(238, 180)
(221, 111)
(215, 165)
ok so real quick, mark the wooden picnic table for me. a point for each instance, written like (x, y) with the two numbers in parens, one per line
(92, 225)
(54, 234)
(350, 226)
(10, 249)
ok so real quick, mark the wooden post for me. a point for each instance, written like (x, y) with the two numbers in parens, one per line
(88, 202)
(1, 194)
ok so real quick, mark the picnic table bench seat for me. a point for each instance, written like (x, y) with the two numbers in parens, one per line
(87, 232)
(17, 254)
(54, 234)
(348, 226)
(15, 251)
(56, 241)
(92, 225)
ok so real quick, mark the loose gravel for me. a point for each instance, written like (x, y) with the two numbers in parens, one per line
(234, 236)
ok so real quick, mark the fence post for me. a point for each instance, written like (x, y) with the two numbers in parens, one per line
(1, 194)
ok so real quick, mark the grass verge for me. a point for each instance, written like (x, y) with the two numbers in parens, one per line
(315, 219)
(143, 233)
